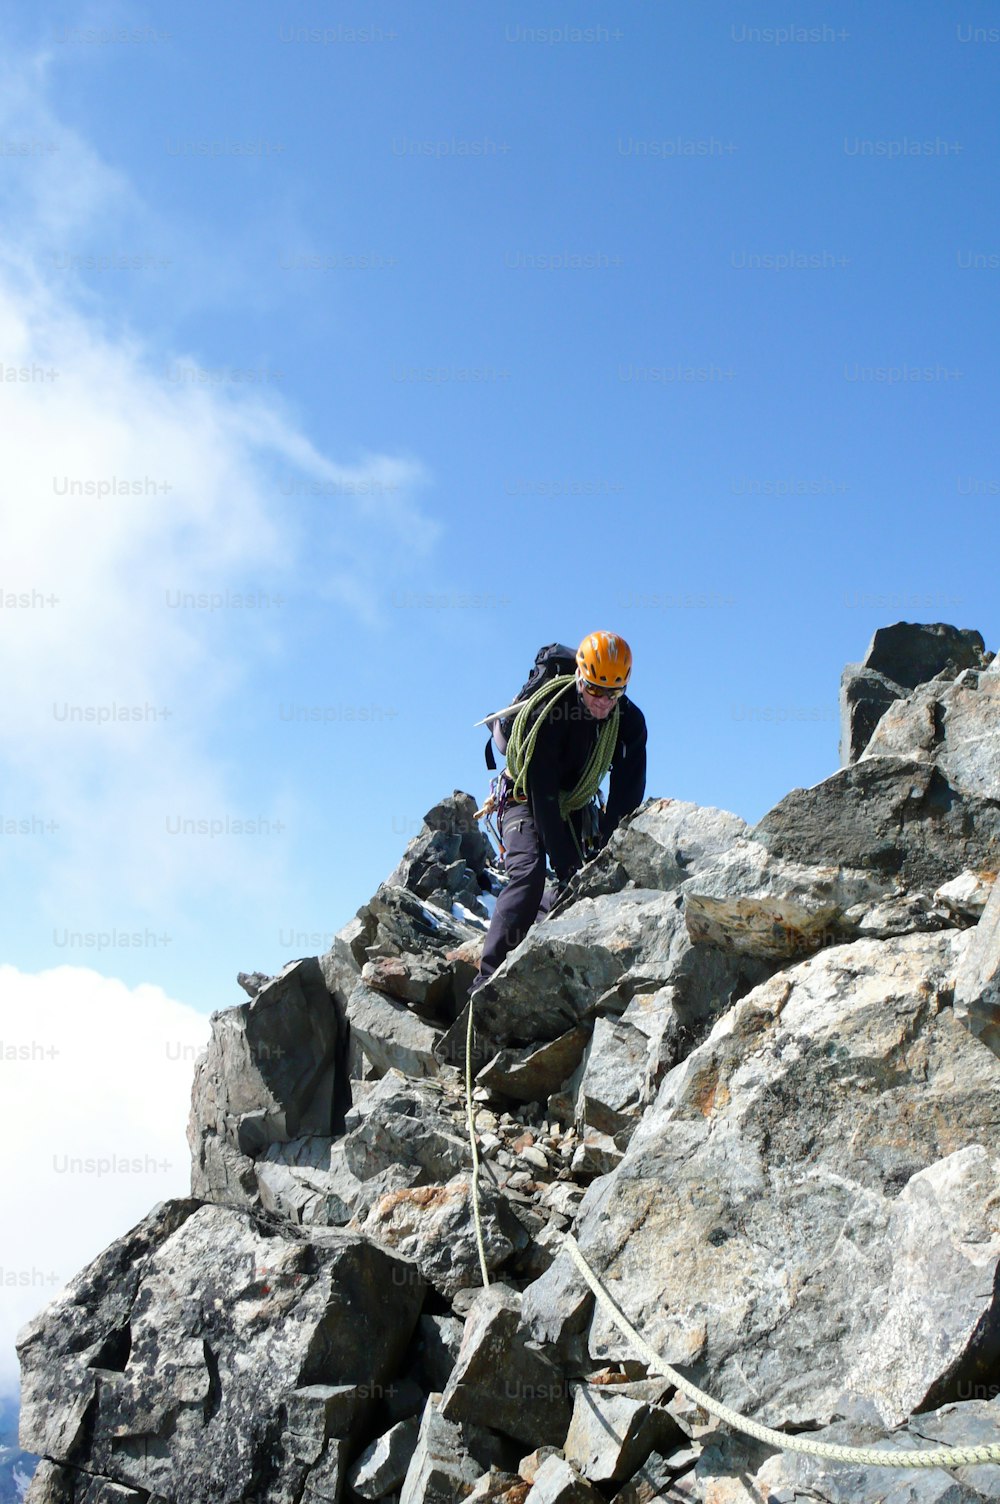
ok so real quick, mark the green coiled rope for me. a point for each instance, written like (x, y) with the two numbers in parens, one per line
(524, 735)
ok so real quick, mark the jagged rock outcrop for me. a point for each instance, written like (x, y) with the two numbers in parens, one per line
(760, 904)
(661, 844)
(269, 1075)
(953, 724)
(450, 860)
(807, 1208)
(755, 1071)
(205, 1356)
(595, 956)
(899, 658)
(898, 817)
(977, 985)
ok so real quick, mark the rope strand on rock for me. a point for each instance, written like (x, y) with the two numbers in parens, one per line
(865, 1456)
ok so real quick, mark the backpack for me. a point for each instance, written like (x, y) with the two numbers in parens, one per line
(551, 661)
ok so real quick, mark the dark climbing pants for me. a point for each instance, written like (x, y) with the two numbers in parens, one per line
(525, 895)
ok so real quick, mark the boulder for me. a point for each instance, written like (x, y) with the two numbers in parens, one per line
(390, 1036)
(498, 1487)
(899, 658)
(612, 1089)
(450, 859)
(966, 895)
(616, 1426)
(308, 1180)
(977, 984)
(53, 1484)
(954, 725)
(181, 1360)
(900, 914)
(269, 1074)
(655, 1482)
(449, 1458)
(865, 696)
(910, 653)
(426, 1143)
(670, 1031)
(659, 845)
(440, 1338)
(556, 1309)
(531, 1074)
(557, 1481)
(420, 982)
(594, 957)
(406, 925)
(806, 1210)
(382, 1466)
(501, 1378)
(894, 816)
(434, 1226)
(756, 903)
(394, 1093)
(791, 1474)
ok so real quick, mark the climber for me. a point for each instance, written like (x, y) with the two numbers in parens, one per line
(565, 758)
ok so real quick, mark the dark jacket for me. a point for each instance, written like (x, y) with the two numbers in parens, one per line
(564, 744)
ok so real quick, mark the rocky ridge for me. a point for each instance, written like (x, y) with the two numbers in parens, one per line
(753, 1070)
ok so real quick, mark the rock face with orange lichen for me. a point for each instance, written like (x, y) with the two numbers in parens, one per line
(754, 1072)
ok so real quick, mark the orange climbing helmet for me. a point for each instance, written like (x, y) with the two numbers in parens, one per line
(604, 658)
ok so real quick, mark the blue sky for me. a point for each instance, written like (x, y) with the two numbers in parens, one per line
(499, 326)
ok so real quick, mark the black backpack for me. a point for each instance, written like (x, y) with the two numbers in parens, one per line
(551, 661)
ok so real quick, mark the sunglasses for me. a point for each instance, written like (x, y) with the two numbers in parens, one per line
(596, 693)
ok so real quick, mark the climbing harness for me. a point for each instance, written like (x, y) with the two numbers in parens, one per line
(494, 805)
(865, 1456)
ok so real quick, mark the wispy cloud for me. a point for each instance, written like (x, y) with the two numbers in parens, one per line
(123, 492)
(103, 1073)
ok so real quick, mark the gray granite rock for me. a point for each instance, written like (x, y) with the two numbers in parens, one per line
(613, 1087)
(427, 1143)
(975, 1423)
(865, 696)
(382, 1466)
(910, 652)
(897, 817)
(54, 1484)
(559, 1482)
(450, 856)
(440, 1341)
(954, 725)
(757, 903)
(268, 1075)
(659, 845)
(615, 1427)
(595, 956)
(449, 1458)
(433, 1226)
(186, 1358)
(308, 1181)
(556, 1309)
(531, 1074)
(977, 984)
(390, 1035)
(966, 895)
(899, 658)
(502, 1380)
(837, 1120)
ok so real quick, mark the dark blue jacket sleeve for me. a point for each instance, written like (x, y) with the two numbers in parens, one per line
(628, 771)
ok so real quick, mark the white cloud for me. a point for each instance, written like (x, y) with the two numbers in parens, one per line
(115, 1093)
(105, 568)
